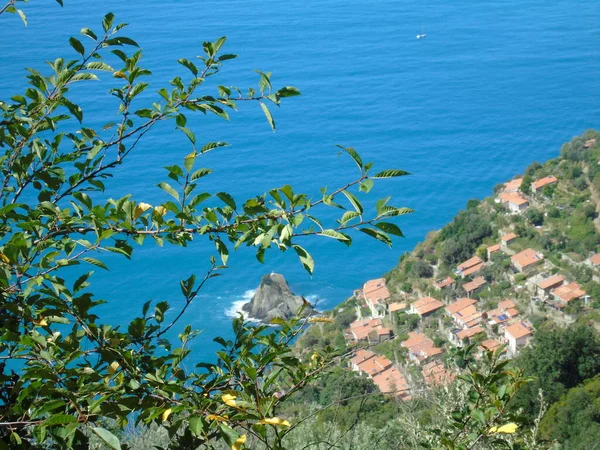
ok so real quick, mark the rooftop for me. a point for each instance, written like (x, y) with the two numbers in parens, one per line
(474, 285)
(568, 292)
(469, 332)
(508, 237)
(518, 330)
(490, 344)
(513, 197)
(434, 372)
(448, 281)
(544, 182)
(361, 355)
(375, 365)
(390, 381)
(513, 185)
(526, 258)
(595, 260)
(551, 282)
(427, 305)
(375, 290)
(398, 306)
(469, 263)
(493, 248)
(471, 270)
(461, 303)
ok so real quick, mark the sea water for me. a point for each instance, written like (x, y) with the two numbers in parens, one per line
(493, 87)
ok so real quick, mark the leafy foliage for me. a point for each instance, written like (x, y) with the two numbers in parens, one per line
(65, 374)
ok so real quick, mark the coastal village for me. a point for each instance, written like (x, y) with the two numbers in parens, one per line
(403, 337)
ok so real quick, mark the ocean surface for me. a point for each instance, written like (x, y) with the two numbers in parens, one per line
(493, 87)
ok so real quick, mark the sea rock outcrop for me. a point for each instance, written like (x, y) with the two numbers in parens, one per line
(273, 298)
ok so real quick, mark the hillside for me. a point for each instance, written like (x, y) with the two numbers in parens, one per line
(518, 270)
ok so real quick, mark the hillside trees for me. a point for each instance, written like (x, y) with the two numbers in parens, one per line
(64, 372)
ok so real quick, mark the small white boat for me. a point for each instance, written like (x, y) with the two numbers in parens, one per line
(421, 36)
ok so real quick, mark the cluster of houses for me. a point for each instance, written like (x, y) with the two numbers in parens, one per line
(514, 200)
(462, 320)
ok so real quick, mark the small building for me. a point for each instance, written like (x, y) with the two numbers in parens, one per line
(444, 283)
(544, 287)
(370, 329)
(376, 294)
(526, 260)
(507, 239)
(517, 335)
(514, 201)
(489, 345)
(397, 307)
(459, 305)
(469, 267)
(540, 184)
(460, 336)
(475, 285)
(594, 261)
(513, 185)
(493, 249)
(359, 357)
(425, 306)
(420, 348)
(589, 143)
(435, 374)
(375, 365)
(467, 317)
(391, 381)
(565, 294)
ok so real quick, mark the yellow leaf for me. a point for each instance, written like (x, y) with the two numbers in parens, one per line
(41, 322)
(160, 210)
(320, 320)
(275, 421)
(509, 428)
(166, 413)
(119, 74)
(141, 209)
(237, 445)
(216, 418)
(113, 367)
(314, 356)
(4, 258)
(229, 399)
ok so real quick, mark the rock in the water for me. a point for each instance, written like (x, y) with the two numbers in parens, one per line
(273, 298)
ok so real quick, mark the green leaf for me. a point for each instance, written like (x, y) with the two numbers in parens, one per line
(58, 419)
(89, 33)
(288, 91)
(348, 216)
(189, 65)
(307, 261)
(333, 234)
(189, 161)
(355, 203)
(268, 115)
(107, 21)
(22, 16)
(99, 65)
(227, 199)
(189, 133)
(366, 186)
(196, 425)
(169, 190)
(380, 236)
(390, 228)
(391, 173)
(77, 45)
(107, 437)
(354, 155)
(94, 262)
(200, 173)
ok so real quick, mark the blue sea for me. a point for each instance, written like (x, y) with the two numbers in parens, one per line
(493, 87)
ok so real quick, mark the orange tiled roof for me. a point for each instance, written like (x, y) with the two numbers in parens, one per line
(435, 373)
(362, 328)
(390, 381)
(489, 344)
(544, 182)
(508, 237)
(513, 197)
(526, 258)
(595, 260)
(513, 185)
(569, 292)
(361, 355)
(506, 304)
(448, 281)
(493, 248)
(474, 285)
(469, 332)
(427, 305)
(551, 282)
(375, 365)
(461, 303)
(469, 263)
(518, 330)
(374, 290)
(471, 270)
(398, 306)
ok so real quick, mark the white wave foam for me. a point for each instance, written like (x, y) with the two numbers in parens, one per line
(236, 307)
